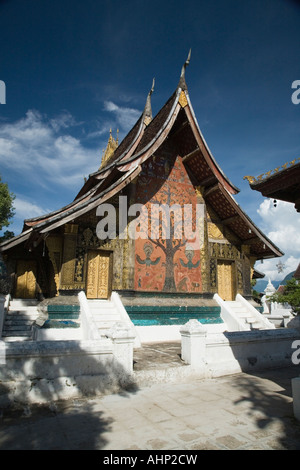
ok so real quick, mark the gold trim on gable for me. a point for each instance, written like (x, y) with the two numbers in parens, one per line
(182, 99)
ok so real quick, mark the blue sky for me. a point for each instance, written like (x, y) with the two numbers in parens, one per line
(75, 69)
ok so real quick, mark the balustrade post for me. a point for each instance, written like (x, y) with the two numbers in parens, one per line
(123, 337)
(193, 344)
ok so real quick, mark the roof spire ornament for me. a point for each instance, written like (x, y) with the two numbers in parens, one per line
(148, 108)
(112, 144)
(182, 83)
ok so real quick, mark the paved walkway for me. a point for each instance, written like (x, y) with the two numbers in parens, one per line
(241, 411)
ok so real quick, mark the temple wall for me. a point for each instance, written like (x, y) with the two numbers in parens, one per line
(214, 262)
(78, 241)
(168, 261)
(30, 272)
(229, 262)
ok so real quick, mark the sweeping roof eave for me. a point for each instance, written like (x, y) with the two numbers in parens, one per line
(37, 220)
(232, 188)
(60, 218)
(89, 204)
(276, 175)
(24, 236)
(274, 251)
(159, 129)
(154, 133)
(128, 144)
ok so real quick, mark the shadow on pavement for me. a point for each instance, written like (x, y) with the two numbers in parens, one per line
(268, 395)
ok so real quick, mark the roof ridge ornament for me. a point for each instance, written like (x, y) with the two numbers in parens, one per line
(148, 108)
(264, 176)
(112, 144)
(182, 82)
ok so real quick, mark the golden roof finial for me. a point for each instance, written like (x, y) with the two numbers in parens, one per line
(182, 83)
(148, 109)
(112, 144)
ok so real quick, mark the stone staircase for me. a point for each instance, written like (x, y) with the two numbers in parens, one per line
(250, 321)
(104, 314)
(241, 315)
(19, 319)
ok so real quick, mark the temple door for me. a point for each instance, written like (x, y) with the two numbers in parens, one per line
(26, 279)
(226, 289)
(98, 275)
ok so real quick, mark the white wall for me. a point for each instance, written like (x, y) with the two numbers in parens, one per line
(232, 352)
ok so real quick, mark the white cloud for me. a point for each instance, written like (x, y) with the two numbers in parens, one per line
(43, 151)
(63, 121)
(282, 225)
(25, 209)
(126, 117)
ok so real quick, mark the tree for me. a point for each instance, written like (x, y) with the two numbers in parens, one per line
(170, 190)
(6, 206)
(255, 294)
(290, 295)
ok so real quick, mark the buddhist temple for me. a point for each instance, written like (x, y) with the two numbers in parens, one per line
(282, 183)
(163, 161)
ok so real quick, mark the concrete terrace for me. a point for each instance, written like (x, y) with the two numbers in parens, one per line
(242, 411)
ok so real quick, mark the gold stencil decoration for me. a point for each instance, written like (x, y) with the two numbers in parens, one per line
(98, 275)
(112, 144)
(225, 277)
(54, 245)
(26, 279)
(182, 99)
(214, 231)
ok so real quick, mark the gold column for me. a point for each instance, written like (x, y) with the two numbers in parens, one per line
(245, 249)
(69, 255)
(203, 235)
(54, 245)
(129, 248)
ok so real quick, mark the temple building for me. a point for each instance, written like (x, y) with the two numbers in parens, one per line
(282, 183)
(191, 239)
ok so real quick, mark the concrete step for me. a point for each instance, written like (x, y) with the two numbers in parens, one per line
(17, 330)
(101, 308)
(106, 316)
(23, 303)
(104, 313)
(238, 308)
(16, 336)
(12, 339)
(106, 324)
(17, 326)
(22, 314)
(234, 305)
(243, 316)
(19, 320)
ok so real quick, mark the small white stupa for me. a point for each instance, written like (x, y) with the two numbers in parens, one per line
(269, 290)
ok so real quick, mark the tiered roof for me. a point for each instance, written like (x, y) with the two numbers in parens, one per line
(176, 121)
(282, 183)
